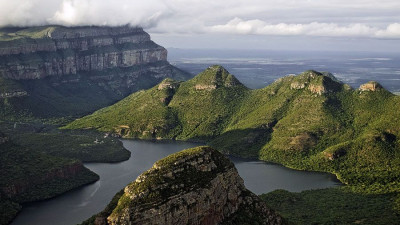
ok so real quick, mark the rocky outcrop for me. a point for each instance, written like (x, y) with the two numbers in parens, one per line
(168, 84)
(317, 83)
(205, 87)
(65, 51)
(12, 94)
(297, 85)
(195, 186)
(370, 86)
(317, 89)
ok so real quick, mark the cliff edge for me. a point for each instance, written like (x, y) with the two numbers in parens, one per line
(194, 186)
(52, 71)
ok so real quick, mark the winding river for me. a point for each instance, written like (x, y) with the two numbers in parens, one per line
(75, 206)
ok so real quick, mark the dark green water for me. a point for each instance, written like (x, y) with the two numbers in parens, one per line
(78, 205)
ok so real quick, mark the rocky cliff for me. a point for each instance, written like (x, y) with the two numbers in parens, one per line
(84, 68)
(62, 51)
(194, 186)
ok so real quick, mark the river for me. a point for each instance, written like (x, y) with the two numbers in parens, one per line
(75, 206)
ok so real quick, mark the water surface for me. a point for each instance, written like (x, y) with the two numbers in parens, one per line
(75, 206)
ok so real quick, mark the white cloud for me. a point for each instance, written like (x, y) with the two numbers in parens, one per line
(240, 26)
(333, 18)
(392, 31)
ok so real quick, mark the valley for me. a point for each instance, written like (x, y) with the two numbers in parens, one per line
(69, 94)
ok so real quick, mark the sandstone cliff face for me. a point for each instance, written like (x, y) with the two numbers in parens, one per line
(65, 51)
(317, 83)
(195, 186)
(56, 71)
(370, 86)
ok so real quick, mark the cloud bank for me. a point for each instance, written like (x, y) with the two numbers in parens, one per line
(259, 27)
(328, 18)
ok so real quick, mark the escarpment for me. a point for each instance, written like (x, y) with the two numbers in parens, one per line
(194, 186)
(53, 71)
(63, 51)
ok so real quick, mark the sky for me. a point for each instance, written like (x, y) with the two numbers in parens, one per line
(348, 25)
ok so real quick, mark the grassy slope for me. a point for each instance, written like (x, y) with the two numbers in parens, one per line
(333, 206)
(181, 112)
(350, 133)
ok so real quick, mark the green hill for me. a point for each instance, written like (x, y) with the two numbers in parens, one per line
(310, 121)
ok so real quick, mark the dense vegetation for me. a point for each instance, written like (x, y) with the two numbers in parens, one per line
(38, 161)
(333, 206)
(30, 175)
(63, 96)
(87, 146)
(310, 121)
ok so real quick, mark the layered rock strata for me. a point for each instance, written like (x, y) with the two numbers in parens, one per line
(54, 71)
(63, 51)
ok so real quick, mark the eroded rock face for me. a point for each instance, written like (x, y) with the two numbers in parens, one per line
(195, 186)
(12, 94)
(54, 71)
(317, 89)
(72, 50)
(297, 85)
(370, 86)
(168, 84)
(205, 87)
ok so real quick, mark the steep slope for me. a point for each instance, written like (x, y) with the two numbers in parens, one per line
(28, 175)
(310, 121)
(57, 71)
(196, 109)
(194, 186)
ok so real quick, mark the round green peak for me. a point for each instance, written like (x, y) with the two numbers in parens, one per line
(217, 68)
(213, 77)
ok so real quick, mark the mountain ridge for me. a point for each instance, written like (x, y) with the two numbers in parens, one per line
(309, 121)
